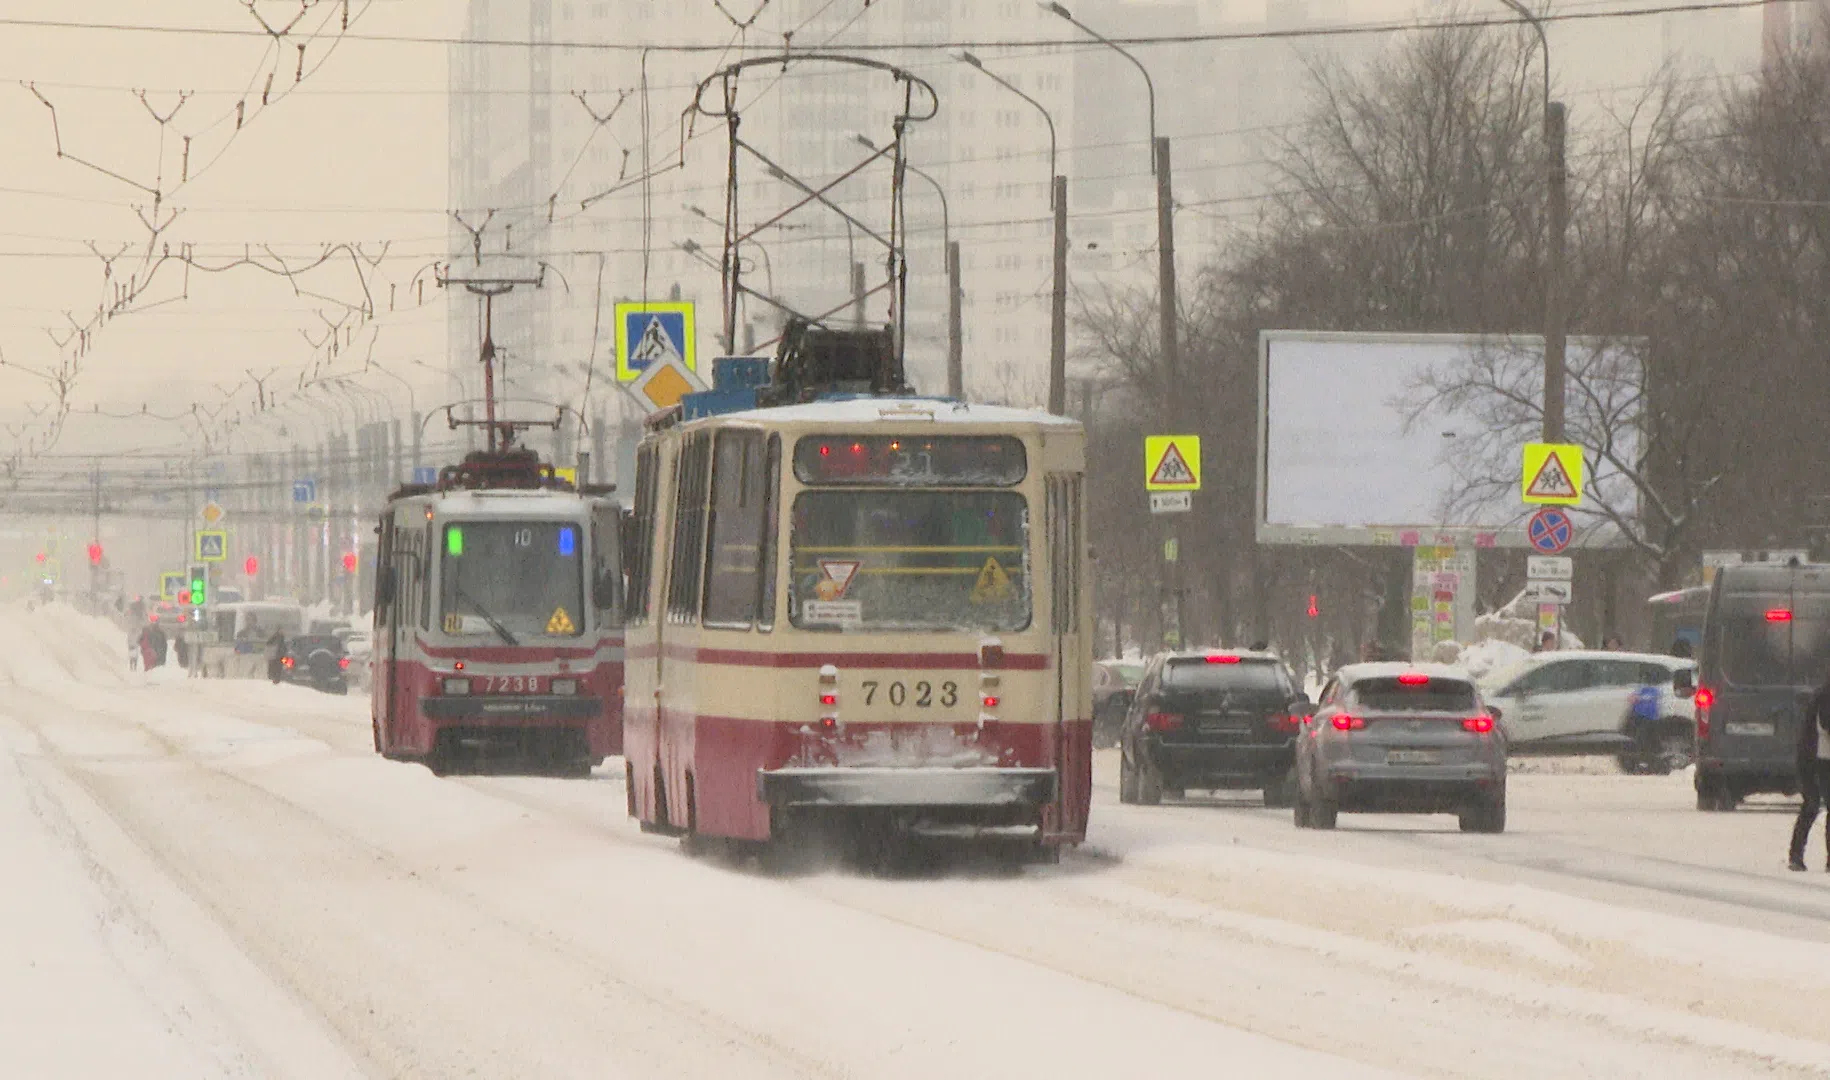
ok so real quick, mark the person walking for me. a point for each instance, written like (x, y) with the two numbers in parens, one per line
(1813, 774)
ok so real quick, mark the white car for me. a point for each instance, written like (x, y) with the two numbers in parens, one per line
(1598, 703)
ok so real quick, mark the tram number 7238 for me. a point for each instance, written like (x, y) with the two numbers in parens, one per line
(922, 695)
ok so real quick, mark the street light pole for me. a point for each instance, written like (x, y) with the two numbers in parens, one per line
(956, 365)
(1556, 219)
(1057, 323)
(1173, 408)
(1165, 216)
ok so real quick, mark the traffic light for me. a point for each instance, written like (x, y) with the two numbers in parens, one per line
(200, 578)
(40, 557)
(252, 566)
(349, 562)
(95, 554)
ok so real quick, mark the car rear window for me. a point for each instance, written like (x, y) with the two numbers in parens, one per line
(1759, 652)
(1432, 695)
(1254, 676)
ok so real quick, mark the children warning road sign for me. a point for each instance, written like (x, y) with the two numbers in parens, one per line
(1552, 475)
(654, 331)
(1172, 462)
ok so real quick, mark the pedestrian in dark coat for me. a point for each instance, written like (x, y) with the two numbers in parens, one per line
(1813, 773)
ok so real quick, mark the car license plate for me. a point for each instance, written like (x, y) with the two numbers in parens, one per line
(1413, 757)
(1749, 729)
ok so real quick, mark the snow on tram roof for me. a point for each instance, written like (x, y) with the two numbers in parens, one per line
(919, 410)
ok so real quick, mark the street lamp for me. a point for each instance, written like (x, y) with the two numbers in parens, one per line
(1057, 337)
(1556, 220)
(1165, 223)
(1166, 299)
(956, 363)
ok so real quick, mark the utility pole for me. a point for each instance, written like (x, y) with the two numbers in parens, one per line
(1057, 323)
(1555, 129)
(956, 355)
(857, 295)
(1166, 315)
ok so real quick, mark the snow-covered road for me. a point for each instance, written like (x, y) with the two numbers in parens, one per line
(209, 878)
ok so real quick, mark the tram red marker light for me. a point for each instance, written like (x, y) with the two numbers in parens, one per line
(829, 699)
(990, 700)
(825, 451)
(459, 666)
(829, 723)
(857, 448)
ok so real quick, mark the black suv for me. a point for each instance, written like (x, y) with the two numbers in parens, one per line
(315, 660)
(1212, 720)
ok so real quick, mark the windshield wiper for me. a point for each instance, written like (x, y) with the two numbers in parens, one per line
(494, 623)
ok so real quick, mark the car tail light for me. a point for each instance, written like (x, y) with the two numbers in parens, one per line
(1162, 721)
(287, 662)
(343, 662)
(1705, 697)
(565, 687)
(1413, 678)
(455, 687)
(1290, 722)
(1779, 614)
(1344, 722)
(1222, 658)
(1480, 725)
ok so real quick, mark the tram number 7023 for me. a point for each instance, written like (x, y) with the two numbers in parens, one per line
(922, 695)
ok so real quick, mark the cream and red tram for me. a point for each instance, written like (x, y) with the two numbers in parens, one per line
(868, 611)
(497, 619)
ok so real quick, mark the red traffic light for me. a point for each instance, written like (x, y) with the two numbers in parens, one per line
(40, 557)
(184, 596)
(252, 566)
(349, 562)
(95, 554)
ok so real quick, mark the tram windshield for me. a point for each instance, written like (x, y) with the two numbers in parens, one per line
(910, 560)
(513, 580)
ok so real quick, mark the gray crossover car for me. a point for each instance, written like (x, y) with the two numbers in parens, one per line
(1401, 738)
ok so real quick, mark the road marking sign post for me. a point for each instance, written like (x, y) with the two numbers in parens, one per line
(1552, 475)
(1549, 567)
(212, 545)
(1550, 531)
(1172, 463)
(648, 332)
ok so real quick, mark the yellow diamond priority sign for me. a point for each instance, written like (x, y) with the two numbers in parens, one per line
(1172, 463)
(1552, 475)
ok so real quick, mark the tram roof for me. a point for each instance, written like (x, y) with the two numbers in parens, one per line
(507, 502)
(874, 410)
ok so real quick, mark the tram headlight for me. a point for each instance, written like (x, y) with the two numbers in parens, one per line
(565, 686)
(455, 687)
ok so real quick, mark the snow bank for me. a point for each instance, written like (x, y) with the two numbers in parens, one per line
(1491, 658)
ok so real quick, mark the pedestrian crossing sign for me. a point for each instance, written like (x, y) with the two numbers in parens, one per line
(1552, 475)
(1172, 462)
(648, 331)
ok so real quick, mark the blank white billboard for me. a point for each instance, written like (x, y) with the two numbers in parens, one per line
(1365, 438)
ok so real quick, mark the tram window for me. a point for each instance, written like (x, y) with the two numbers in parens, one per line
(511, 579)
(918, 461)
(607, 570)
(910, 560)
(765, 561)
(732, 555)
(687, 566)
(639, 551)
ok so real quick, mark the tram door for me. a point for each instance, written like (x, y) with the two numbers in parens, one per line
(1073, 760)
(383, 650)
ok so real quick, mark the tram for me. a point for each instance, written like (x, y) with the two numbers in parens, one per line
(497, 619)
(851, 609)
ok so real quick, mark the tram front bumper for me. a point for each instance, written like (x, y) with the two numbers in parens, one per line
(906, 787)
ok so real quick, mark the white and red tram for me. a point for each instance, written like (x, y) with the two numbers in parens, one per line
(497, 619)
(870, 611)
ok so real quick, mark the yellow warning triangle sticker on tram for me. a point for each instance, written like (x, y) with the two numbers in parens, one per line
(993, 584)
(560, 623)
